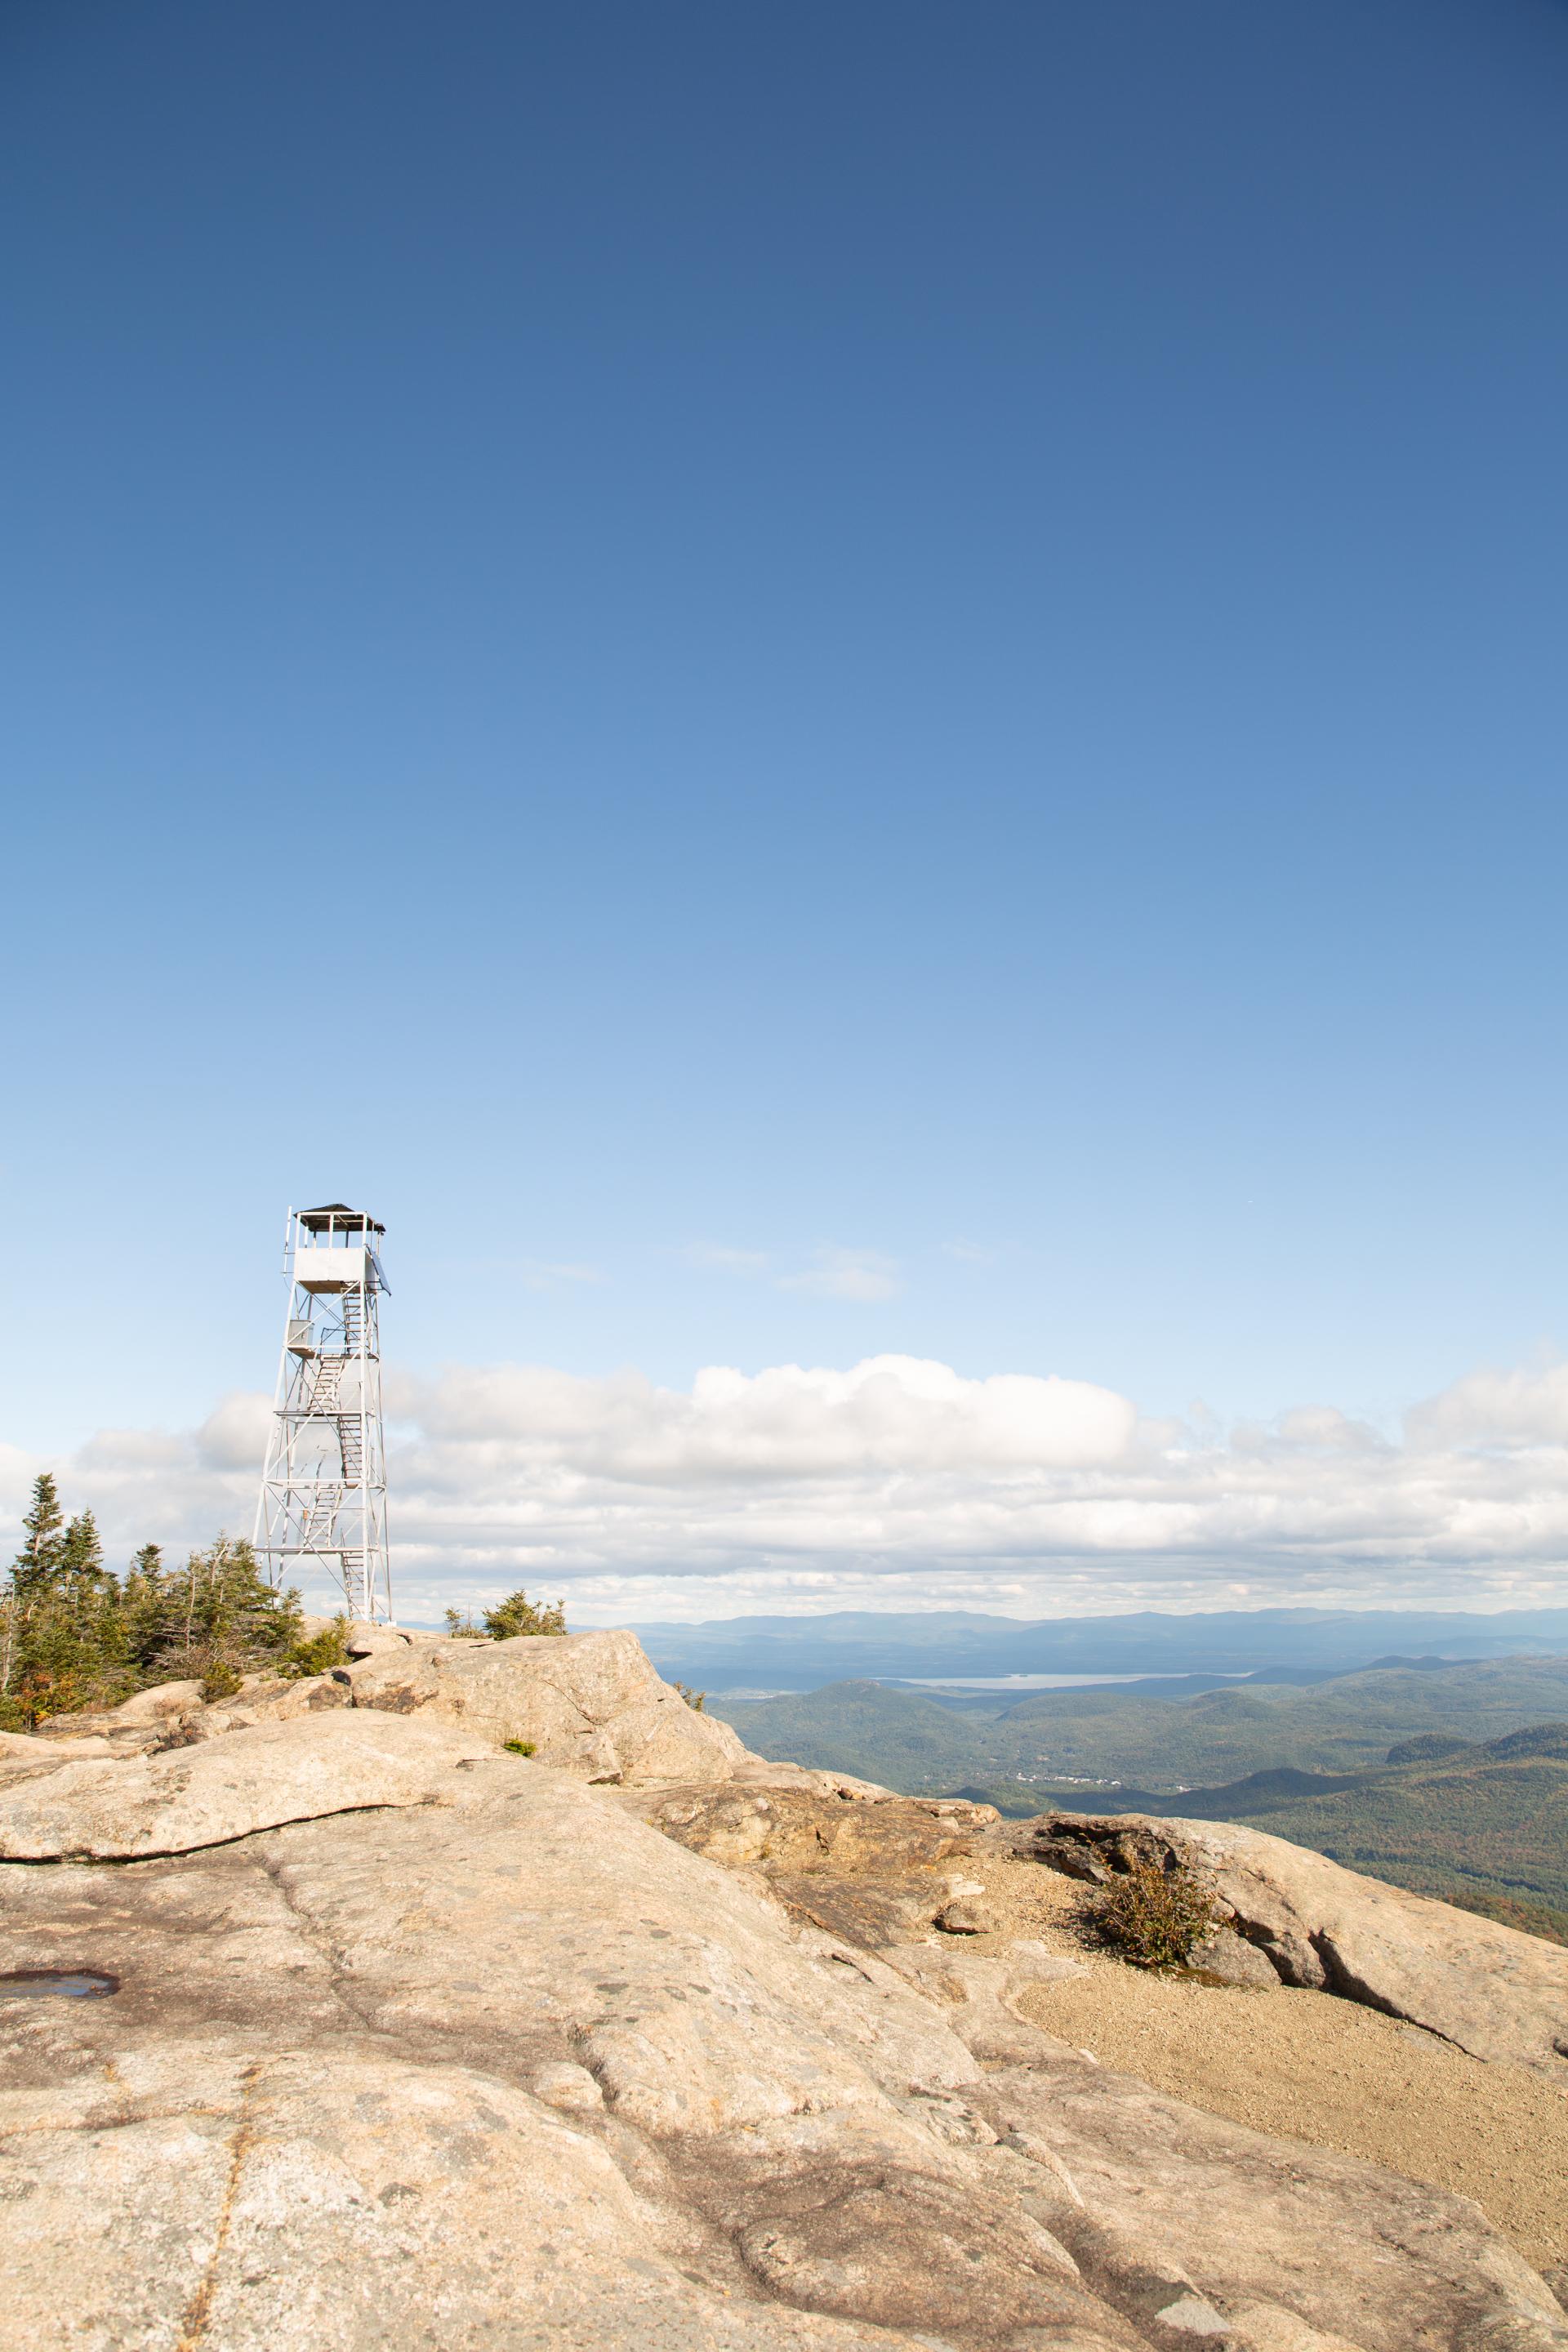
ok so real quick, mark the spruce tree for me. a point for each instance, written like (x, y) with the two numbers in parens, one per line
(37, 1564)
(82, 1571)
(62, 1641)
(217, 1618)
(73, 1635)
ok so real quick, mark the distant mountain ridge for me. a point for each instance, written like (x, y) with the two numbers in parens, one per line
(802, 1653)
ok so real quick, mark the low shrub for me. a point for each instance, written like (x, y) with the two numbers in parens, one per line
(520, 1747)
(1155, 1918)
(518, 1614)
(322, 1652)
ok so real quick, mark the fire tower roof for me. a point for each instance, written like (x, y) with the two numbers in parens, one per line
(337, 1214)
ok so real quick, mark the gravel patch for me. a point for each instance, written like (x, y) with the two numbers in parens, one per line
(1306, 2067)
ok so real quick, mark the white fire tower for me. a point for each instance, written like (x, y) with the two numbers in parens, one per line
(323, 1488)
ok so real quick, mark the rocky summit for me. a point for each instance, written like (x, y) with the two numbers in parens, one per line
(331, 2020)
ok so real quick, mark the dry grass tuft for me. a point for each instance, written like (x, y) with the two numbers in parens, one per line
(1155, 1918)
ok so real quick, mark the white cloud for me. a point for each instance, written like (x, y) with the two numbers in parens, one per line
(234, 1435)
(1489, 1408)
(898, 1483)
(889, 1413)
(725, 1259)
(860, 1275)
(970, 1253)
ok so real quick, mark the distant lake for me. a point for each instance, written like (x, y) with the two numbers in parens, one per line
(1048, 1682)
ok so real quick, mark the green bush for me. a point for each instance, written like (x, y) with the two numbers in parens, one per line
(1155, 1918)
(518, 1614)
(520, 1746)
(322, 1652)
(696, 1700)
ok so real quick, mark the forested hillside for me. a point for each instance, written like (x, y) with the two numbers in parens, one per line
(1489, 1822)
(1100, 1736)
(1450, 1780)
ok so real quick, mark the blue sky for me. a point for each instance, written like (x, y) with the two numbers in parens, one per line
(798, 685)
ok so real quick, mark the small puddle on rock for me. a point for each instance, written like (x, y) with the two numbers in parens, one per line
(75, 1984)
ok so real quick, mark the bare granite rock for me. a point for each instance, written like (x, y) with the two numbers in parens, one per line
(789, 1828)
(813, 1778)
(23, 1747)
(865, 1866)
(263, 1699)
(505, 2066)
(1494, 1992)
(590, 1703)
(174, 1714)
(363, 1639)
(61, 1808)
(1226, 1957)
(136, 1727)
(289, 2202)
(966, 1912)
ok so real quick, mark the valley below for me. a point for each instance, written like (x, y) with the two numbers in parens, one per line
(1447, 1777)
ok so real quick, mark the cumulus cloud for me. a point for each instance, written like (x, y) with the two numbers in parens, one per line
(889, 1413)
(1492, 1408)
(862, 1274)
(234, 1435)
(897, 1483)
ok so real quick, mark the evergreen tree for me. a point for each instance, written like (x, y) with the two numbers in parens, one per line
(39, 1563)
(143, 1608)
(217, 1617)
(62, 1643)
(82, 1558)
(73, 1635)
